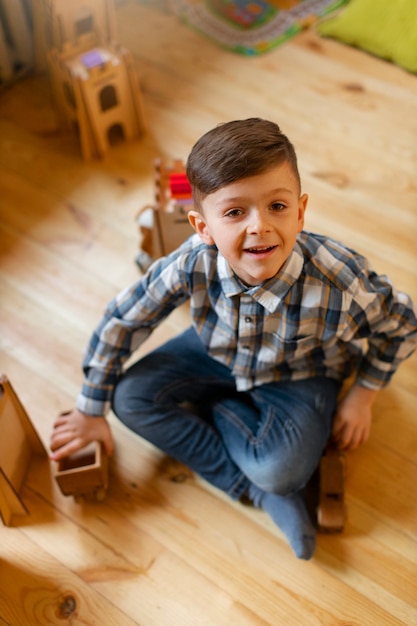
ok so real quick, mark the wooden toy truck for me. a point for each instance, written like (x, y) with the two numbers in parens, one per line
(164, 225)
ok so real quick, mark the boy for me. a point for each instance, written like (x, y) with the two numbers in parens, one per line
(248, 396)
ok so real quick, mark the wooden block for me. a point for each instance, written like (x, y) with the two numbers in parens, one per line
(331, 509)
(18, 443)
(85, 473)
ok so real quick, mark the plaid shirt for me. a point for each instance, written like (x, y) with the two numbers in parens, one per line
(310, 320)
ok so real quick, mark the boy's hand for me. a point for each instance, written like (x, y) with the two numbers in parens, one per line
(75, 430)
(352, 424)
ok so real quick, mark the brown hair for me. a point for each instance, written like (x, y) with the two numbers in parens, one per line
(235, 150)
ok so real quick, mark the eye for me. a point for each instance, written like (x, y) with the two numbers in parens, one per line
(278, 206)
(233, 213)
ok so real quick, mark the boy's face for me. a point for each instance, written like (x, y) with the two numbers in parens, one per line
(254, 222)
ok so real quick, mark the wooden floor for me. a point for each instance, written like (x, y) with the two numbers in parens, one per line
(164, 549)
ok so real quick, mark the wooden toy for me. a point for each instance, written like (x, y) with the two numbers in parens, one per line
(111, 96)
(164, 225)
(84, 474)
(19, 443)
(97, 95)
(331, 508)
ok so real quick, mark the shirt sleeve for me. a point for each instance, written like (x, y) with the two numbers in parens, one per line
(387, 319)
(128, 320)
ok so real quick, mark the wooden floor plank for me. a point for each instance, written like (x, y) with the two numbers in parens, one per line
(37, 588)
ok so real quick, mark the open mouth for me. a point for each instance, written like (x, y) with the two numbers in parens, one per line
(260, 250)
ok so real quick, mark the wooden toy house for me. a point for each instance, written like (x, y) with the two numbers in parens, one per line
(164, 225)
(97, 95)
(19, 442)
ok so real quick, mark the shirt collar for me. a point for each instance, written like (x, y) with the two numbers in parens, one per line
(271, 292)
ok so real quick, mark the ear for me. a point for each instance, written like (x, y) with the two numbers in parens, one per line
(302, 206)
(200, 226)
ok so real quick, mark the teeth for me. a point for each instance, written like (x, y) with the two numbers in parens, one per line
(260, 249)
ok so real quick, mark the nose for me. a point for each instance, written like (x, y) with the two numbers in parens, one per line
(258, 222)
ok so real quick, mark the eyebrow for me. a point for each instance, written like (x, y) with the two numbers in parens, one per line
(243, 197)
(280, 190)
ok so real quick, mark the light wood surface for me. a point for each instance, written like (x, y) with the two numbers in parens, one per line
(165, 549)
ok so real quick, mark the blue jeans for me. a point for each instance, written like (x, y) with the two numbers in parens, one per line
(186, 404)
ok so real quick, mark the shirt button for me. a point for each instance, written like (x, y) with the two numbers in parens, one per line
(248, 319)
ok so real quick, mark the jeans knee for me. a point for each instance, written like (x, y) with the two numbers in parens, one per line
(278, 476)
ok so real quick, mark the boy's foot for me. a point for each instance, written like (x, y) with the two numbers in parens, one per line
(290, 515)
